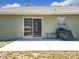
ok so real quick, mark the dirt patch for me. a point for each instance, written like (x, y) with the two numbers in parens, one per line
(3, 43)
(39, 55)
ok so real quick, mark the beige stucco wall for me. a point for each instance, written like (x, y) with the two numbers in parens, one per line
(12, 26)
(73, 25)
(48, 24)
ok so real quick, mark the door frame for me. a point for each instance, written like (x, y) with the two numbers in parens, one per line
(32, 25)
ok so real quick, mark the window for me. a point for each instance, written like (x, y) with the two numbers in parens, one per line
(62, 21)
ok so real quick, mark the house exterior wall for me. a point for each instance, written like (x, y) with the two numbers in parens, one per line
(73, 25)
(11, 26)
(48, 24)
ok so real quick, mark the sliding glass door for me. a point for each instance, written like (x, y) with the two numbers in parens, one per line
(32, 27)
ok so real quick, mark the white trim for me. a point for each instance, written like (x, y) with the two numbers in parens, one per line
(23, 27)
(32, 30)
(40, 10)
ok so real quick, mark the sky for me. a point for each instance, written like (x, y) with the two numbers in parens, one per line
(19, 3)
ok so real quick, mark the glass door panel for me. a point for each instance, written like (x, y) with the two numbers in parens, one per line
(37, 27)
(27, 26)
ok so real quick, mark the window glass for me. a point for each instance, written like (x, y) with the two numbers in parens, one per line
(62, 22)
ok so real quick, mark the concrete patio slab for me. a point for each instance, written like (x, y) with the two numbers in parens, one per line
(42, 46)
(63, 45)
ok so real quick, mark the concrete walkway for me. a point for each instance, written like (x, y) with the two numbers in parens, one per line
(41, 46)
